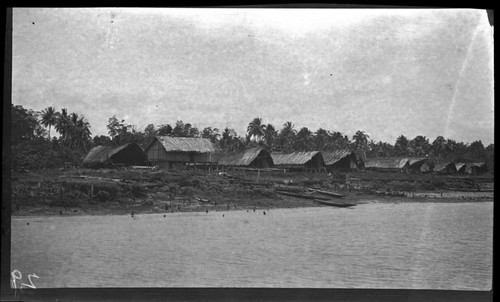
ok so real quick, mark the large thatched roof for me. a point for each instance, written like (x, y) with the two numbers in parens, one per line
(101, 156)
(185, 144)
(469, 167)
(332, 157)
(130, 153)
(97, 156)
(244, 158)
(386, 163)
(296, 158)
(440, 167)
(417, 160)
(393, 162)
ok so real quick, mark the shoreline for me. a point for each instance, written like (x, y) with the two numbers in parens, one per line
(79, 192)
(116, 208)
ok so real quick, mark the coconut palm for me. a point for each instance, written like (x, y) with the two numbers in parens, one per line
(63, 125)
(49, 118)
(322, 139)
(286, 137)
(270, 136)
(361, 143)
(304, 140)
(80, 133)
(256, 129)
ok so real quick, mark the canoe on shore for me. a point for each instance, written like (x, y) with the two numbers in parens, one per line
(328, 193)
(299, 195)
(335, 203)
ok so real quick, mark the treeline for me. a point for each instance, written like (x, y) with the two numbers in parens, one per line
(31, 139)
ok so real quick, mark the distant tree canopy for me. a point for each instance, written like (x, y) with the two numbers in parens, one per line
(34, 148)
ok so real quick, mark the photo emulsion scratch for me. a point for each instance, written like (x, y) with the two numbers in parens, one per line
(252, 148)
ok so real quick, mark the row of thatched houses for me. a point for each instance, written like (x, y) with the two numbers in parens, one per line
(178, 152)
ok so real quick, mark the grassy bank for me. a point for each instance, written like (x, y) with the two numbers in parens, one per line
(104, 192)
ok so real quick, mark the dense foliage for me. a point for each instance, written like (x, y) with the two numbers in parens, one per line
(34, 149)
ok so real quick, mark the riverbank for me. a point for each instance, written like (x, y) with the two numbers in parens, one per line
(115, 192)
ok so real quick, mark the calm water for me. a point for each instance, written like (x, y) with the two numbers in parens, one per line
(416, 245)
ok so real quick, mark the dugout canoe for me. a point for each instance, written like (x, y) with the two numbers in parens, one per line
(328, 193)
(304, 196)
(335, 203)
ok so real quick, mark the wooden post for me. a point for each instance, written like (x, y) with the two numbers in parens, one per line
(91, 192)
(194, 157)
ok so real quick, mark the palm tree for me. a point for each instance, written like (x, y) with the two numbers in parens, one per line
(321, 139)
(81, 135)
(49, 118)
(419, 146)
(256, 129)
(304, 140)
(270, 135)
(361, 142)
(62, 125)
(286, 137)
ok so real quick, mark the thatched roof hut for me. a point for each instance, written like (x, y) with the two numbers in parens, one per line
(399, 164)
(387, 164)
(445, 168)
(475, 168)
(415, 163)
(253, 158)
(340, 160)
(311, 160)
(129, 154)
(185, 144)
(97, 157)
(181, 150)
(105, 156)
(460, 167)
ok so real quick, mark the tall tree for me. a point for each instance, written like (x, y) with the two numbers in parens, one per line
(360, 139)
(270, 136)
(179, 129)
(401, 146)
(419, 146)
(150, 130)
(286, 137)
(210, 133)
(25, 124)
(114, 126)
(49, 118)
(256, 129)
(230, 142)
(63, 123)
(164, 130)
(322, 139)
(80, 133)
(304, 140)
(438, 147)
(191, 131)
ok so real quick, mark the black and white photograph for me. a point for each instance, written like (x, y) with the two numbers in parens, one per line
(311, 148)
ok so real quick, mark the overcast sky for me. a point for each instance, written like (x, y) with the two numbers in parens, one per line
(387, 72)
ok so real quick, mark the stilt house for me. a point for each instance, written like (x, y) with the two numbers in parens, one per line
(177, 152)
